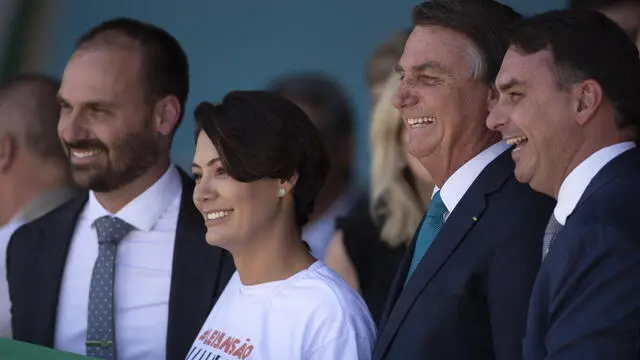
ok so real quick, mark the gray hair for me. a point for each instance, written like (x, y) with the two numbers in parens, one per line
(477, 63)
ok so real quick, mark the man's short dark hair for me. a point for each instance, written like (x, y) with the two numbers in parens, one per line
(325, 98)
(261, 134)
(38, 111)
(482, 21)
(585, 44)
(164, 62)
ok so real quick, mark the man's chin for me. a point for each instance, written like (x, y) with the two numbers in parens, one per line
(89, 179)
(423, 155)
(522, 176)
(82, 168)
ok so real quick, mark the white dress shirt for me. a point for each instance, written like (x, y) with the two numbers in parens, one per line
(461, 180)
(579, 178)
(142, 273)
(36, 208)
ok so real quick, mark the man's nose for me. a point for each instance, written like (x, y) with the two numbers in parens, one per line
(72, 127)
(403, 97)
(497, 117)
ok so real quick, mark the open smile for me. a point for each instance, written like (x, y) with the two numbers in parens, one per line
(419, 122)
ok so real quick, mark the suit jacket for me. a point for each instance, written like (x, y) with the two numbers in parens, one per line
(468, 297)
(36, 259)
(586, 300)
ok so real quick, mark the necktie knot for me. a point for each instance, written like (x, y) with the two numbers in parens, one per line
(437, 208)
(428, 231)
(111, 229)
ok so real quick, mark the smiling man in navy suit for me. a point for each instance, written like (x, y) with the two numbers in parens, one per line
(569, 87)
(463, 288)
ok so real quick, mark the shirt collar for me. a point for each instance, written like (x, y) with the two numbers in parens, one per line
(579, 178)
(10, 227)
(460, 181)
(144, 211)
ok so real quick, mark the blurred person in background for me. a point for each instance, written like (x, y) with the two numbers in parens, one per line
(328, 107)
(626, 13)
(382, 62)
(122, 97)
(34, 171)
(257, 190)
(463, 288)
(369, 265)
(372, 239)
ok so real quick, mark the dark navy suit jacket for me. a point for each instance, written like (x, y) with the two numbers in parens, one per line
(468, 297)
(36, 259)
(586, 300)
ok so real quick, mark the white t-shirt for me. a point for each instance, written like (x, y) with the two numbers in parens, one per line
(313, 315)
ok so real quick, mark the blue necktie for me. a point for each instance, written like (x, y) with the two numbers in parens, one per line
(101, 337)
(428, 231)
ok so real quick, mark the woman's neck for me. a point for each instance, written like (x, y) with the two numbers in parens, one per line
(273, 257)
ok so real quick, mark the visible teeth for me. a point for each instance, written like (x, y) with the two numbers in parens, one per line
(420, 121)
(217, 215)
(84, 154)
(516, 140)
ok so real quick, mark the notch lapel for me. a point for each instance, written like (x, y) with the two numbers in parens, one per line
(49, 258)
(454, 231)
(200, 272)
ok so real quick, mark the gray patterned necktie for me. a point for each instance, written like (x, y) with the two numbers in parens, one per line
(101, 340)
(553, 227)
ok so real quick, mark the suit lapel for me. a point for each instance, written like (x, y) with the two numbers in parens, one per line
(197, 277)
(453, 232)
(50, 256)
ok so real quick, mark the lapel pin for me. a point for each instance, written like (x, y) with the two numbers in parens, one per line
(474, 218)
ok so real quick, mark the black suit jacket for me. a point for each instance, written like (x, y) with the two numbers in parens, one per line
(36, 259)
(586, 300)
(468, 297)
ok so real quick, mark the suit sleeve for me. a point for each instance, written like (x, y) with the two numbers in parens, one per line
(513, 271)
(596, 313)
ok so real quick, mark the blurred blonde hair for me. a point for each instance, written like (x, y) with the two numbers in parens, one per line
(395, 205)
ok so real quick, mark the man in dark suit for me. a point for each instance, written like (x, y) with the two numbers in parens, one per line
(124, 269)
(569, 89)
(463, 288)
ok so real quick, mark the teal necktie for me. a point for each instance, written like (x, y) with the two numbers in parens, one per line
(428, 231)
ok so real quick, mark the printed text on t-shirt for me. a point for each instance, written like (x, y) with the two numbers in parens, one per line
(232, 346)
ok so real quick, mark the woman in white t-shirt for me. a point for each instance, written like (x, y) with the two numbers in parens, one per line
(259, 165)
